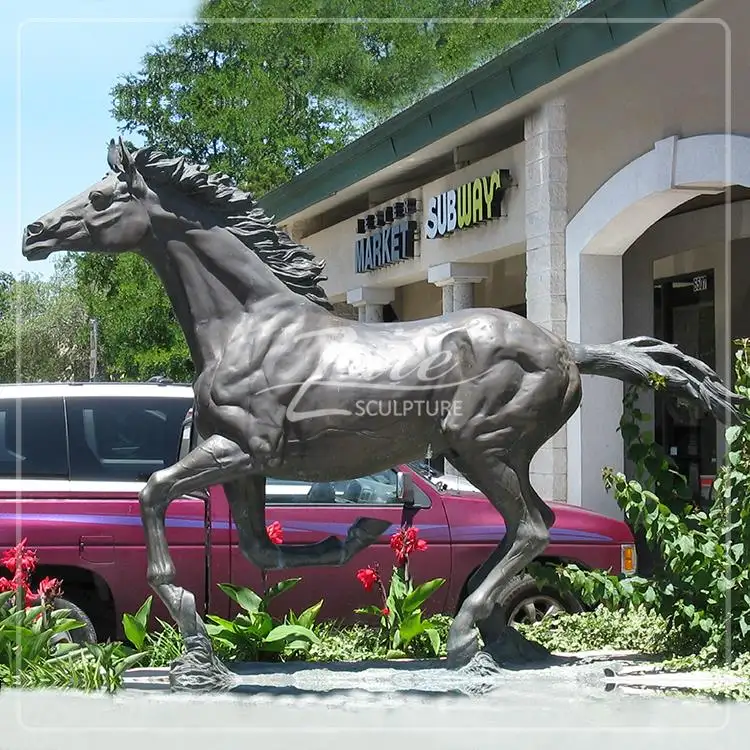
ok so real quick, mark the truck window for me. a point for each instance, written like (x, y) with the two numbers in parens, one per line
(123, 439)
(32, 439)
(374, 489)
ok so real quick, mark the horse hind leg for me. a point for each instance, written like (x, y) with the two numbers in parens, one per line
(527, 523)
(494, 626)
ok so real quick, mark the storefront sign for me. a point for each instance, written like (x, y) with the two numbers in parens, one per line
(386, 245)
(470, 204)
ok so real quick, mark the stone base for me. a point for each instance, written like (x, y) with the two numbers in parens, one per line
(483, 675)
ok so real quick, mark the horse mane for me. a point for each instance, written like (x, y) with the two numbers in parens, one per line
(292, 263)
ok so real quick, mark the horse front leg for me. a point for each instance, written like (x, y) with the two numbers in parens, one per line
(210, 462)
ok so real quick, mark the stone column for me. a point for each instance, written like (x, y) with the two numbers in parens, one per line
(447, 290)
(457, 281)
(370, 301)
(546, 221)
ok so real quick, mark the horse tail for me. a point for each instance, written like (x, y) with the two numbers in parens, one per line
(638, 360)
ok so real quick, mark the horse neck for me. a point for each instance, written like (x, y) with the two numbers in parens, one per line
(211, 279)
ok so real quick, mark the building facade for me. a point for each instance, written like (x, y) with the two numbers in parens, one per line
(595, 179)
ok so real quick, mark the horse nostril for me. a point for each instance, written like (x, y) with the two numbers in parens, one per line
(36, 228)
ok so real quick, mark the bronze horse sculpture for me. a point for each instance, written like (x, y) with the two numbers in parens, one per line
(279, 379)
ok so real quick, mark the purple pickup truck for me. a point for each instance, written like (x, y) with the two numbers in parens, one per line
(73, 458)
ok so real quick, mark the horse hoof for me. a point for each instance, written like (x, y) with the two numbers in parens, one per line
(199, 671)
(510, 647)
(461, 649)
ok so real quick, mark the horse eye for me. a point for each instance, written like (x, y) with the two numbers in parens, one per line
(100, 200)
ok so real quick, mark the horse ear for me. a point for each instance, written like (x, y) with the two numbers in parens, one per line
(113, 156)
(121, 162)
(126, 160)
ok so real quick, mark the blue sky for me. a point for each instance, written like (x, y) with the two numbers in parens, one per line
(65, 67)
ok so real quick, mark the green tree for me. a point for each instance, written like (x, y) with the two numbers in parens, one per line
(218, 100)
(264, 101)
(138, 333)
(43, 329)
(379, 56)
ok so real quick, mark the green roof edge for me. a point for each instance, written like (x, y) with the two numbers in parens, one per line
(527, 66)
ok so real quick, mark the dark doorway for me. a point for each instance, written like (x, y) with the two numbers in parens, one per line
(389, 314)
(517, 309)
(684, 315)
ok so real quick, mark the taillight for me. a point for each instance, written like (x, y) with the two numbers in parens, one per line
(628, 561)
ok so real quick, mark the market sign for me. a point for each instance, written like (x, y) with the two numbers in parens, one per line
(390, 235)
(385, 246)
(468, 205)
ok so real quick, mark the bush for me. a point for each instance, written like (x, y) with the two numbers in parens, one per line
(634, 629)
(702, 589)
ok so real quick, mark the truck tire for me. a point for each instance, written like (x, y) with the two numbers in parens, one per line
(524, 602)
(82, 635)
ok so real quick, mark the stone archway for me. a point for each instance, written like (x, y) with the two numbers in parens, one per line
(616, 215)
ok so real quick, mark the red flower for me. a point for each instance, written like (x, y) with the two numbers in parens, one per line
(49, 589)
(19, 560)
(368, 578)
(275, 532)
(385, 611)
(28, 594)
(405, 541)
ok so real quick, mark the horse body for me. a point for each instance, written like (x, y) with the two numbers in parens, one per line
(287, 389)
(293, 382)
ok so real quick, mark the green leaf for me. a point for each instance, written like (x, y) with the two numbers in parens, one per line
(144, 612)
(281, 632)
(128, 662)
(733, 433)
(5, 597)
(411, 627)
(227, 625)
(299, 645)
(262, 624)
(398, 588)
(434, 636)
(418, 597)
(245, 597)
(279, 588)
(686, 544)
(135, 631)
(370, 609)
(308, 617)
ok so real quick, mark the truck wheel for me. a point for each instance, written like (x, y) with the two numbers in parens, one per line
(525, 603)
(82, 635)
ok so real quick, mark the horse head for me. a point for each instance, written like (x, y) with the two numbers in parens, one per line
(110, 216)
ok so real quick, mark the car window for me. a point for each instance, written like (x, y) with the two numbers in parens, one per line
(373, 489)
(123, 439)
(32, 439)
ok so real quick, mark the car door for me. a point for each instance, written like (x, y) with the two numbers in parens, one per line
(115, 443)
(308, 513)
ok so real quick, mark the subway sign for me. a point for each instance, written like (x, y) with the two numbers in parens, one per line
(468, 205)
